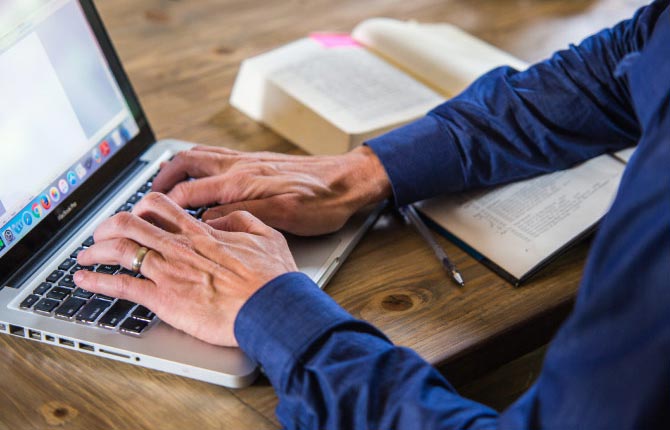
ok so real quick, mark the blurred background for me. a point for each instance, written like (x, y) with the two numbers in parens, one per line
(209, 38)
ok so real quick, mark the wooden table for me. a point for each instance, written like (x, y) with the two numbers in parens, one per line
(182, 57)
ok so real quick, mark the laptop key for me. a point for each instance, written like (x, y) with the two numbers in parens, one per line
(124, 208)
(196, 213)
(67, 264)
(116, 314)
(42, 288)
(88, 242)
(59, 293)
(134, 199)
(145, 188)
(133, 326)
(91, 311)
(124, 271)
(76, 252)
(70, 307)
(46, 306)
(107, 268)
(80, 267)
(103, 297)
(200, 212)
(67, 281)
(55, 276)
(143, 314)
(82, 294)
(29, 301)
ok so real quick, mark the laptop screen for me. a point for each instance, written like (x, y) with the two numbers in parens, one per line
(62, 112)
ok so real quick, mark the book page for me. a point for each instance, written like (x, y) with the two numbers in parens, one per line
(351, 87)
(625, 154)
(519, 225)
(440, 55)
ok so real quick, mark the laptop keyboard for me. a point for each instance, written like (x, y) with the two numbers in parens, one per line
(59, 297)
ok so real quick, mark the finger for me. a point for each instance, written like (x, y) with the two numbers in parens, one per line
(273, 211)
(216, 149)
(227, 188)
(158, 209)
(130, 226)
(196, 193)
(122, 252)
(187, 164)
(241, 221)
(125, 287)
(257, 156)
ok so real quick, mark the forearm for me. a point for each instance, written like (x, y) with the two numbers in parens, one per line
(332, 371)
(510, 125)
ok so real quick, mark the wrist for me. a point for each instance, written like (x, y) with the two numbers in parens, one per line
(369, 181)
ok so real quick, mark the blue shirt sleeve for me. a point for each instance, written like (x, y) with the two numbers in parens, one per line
(510, 125)
(332, 371)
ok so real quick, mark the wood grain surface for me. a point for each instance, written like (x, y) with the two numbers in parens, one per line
(182, 57)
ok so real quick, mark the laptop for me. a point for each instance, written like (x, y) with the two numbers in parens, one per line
(75, 148)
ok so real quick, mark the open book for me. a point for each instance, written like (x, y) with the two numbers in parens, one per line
(516, 229)
(328, 93)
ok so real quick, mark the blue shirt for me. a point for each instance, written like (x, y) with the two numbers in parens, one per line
(609, 365)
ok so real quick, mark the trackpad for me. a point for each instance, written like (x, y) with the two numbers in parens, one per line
(312, 253)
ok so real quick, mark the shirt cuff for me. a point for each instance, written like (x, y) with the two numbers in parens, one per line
(420, 159)
(280, 322)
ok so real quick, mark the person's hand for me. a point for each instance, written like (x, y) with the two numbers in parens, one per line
(303, 195)
(198, 275)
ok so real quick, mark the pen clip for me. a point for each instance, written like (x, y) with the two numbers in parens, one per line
(402, 211)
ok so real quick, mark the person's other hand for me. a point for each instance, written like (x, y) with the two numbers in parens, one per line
(303, 195)
(198, 275)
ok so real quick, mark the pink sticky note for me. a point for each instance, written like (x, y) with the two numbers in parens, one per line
(333, 40)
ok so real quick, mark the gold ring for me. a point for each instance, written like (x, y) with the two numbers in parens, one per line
(139, 259)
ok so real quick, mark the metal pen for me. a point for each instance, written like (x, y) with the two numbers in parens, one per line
(412, 217)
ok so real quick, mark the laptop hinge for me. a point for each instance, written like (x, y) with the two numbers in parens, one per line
(89, 211)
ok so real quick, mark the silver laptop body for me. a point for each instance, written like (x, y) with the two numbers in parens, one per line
(50, 212)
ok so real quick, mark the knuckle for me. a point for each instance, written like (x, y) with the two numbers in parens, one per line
(122, 220)
(240, 214)
(179, 158)
(121, 246)
(144, 205)
(154, 197)
(182, 159)
(123, 286)
(181, 190)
